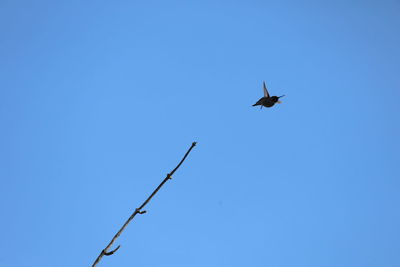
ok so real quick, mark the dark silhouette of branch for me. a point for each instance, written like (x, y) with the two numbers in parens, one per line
(111, 252)
(139, 211)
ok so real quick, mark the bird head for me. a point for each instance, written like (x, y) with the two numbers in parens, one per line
(278, 101)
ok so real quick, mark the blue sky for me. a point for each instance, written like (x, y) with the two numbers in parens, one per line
(100, 99)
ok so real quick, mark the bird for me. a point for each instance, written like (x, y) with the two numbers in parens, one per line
(267, 101)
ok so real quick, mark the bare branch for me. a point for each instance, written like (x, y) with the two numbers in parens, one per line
(111, 252)
(139, 211)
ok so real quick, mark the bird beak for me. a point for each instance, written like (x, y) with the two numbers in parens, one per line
(279, 102)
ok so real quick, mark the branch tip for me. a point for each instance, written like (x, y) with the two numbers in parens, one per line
(111, 252)
(140, 211)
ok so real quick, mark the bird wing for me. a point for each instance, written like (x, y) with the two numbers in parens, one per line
(265, 90)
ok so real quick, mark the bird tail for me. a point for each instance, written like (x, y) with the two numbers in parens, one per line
(255, 105)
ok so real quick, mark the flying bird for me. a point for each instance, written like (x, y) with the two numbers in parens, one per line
(267, 101)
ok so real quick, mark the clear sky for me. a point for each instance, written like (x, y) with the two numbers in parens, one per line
(100, 99)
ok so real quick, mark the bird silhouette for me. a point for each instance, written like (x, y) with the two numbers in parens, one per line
(267, 101)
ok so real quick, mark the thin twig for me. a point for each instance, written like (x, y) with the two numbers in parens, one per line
(139, 211)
